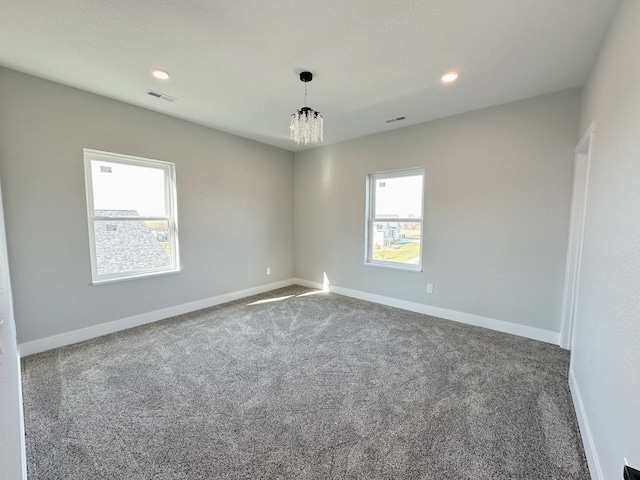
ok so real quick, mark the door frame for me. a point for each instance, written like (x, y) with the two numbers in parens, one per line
(579, 200)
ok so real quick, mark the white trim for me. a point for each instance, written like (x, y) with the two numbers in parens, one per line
(576, 236)
(309, 284)
(135, 276)
(586, 137)
(461, 317)
(585, 431)
(394, 266)
(75, 336)
(10, 331)
(23, 440)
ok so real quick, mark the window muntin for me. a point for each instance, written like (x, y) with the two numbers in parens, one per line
(131, 206)
(394, 218)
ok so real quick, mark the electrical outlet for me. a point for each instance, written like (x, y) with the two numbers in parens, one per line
(268, 271)
(429, 287)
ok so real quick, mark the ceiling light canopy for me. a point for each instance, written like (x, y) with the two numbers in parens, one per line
(449, 77)
(306, 124)
(160, 74)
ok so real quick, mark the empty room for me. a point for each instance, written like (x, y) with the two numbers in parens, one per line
(314, 240)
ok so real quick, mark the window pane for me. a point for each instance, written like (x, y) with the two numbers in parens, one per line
(396, 242)
(128, 190)
(399, 197)
(132, 245)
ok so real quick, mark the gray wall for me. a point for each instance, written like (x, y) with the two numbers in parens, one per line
(498, 187)
(11, 431)
(606, 353)
(235, 206)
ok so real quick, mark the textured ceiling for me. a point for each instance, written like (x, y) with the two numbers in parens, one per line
(234, 64)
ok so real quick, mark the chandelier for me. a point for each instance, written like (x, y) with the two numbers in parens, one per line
(306, 124)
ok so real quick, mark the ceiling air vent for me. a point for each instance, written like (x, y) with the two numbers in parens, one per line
(163, 96)
(396, 119)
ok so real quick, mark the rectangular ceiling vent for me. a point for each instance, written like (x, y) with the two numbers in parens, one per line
(163, 96)
(396, 119)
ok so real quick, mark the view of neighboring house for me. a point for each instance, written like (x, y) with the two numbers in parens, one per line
(114, 241)
(386, 233)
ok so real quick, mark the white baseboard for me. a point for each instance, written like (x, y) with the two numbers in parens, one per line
(585, 431)
(468, 318)
(75, 336)
(23, 439)
(309, 283)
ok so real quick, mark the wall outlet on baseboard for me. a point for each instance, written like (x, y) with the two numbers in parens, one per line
(268, 271)
(429, 287)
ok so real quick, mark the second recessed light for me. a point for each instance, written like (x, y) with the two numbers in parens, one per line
(449, 77)
(160, 74)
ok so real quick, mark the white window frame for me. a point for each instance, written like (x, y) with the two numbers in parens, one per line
(170, 207)
(371, 219)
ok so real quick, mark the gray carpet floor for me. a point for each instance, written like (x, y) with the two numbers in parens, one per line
(305, 385)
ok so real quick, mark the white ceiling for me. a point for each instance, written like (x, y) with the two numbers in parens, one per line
(234, 64)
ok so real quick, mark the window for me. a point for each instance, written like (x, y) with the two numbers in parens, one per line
(131, 206)
(394, 218)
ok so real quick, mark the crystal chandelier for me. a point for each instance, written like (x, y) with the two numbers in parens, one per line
(306, 124)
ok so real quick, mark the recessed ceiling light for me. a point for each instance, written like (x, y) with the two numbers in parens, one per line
(159, 73)
(449, 77)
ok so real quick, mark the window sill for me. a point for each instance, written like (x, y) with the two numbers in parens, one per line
(394, 267)
(104, 281)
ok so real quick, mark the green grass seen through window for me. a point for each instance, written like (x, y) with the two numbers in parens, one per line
(403, 252)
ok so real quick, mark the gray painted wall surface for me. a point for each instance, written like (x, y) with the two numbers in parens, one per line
(606, 356)
(11, 454)
(235, 206)
(498, 187)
